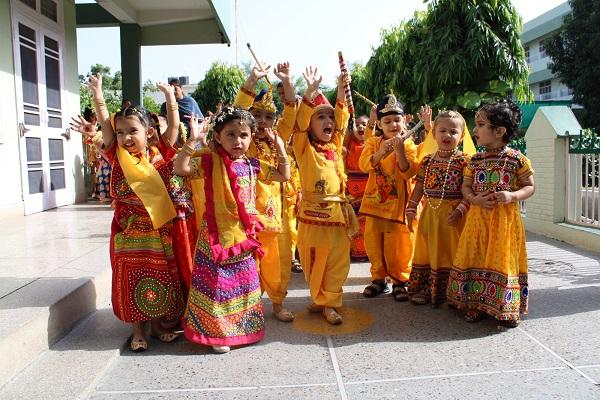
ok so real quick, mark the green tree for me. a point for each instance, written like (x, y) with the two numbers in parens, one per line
(221, 82)
(111, 87)
(576, 59)
(455, 55)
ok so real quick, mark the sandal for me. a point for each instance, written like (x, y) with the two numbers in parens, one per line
(165, 337)
(138, 345)
(297, 267)
(510, 323)
(283, 315)
(420, 299)
(376, 288)
(314, 308)
(332, 316)
(474, 316)
(400, 291)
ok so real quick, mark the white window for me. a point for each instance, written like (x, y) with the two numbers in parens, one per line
(542, 49)
(43, 11)
(545, 87)
(526, 48)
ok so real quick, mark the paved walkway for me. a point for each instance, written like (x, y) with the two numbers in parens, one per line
(396, 351)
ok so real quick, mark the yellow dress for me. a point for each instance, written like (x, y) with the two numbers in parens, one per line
(323, 242)
(387, 239)
(435, 240)
(490, 266)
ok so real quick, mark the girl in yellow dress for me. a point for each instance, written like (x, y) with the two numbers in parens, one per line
(490, 267)
(440, 179)
(391, 162)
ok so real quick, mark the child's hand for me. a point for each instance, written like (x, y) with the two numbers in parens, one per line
(198, 129)
(454, 217)
(373, 115)
(410, 218)
(425, 116)
(408, 118)
(94, 83)
(283, 71)
(504, 197)
(257, 73)
(164, 87)
(486, 200)
(271, 134)
(344, 79)
(312, 78)
(82, 126)
(219, 106)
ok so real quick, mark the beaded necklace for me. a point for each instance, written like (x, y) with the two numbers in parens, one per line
(502, 152)
(262, 153)
(429, 202)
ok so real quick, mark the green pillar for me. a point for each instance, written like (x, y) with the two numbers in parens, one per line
(131, 62)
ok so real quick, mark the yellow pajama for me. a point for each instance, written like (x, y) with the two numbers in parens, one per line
(390, 248)
(269, 268)
(325, 257)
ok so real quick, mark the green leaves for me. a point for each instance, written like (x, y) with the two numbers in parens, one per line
(221, 82)
(455, 55)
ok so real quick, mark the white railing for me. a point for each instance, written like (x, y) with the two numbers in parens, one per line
(554, 95)
(583, 189)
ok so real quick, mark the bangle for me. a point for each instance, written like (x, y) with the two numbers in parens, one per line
(413, 202)
(283, 163)
(411, 210)
(282, 158)
(187, 149)
(99, 103)
(173, 107)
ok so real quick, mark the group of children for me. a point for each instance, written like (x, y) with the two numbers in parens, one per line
(200, 232)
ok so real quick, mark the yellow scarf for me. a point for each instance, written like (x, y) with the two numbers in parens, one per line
(429, 145)
(231, 231)
(146, 183)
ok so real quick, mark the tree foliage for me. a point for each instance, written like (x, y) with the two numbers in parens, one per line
(221, 82)
(455, 55)
(576, 58)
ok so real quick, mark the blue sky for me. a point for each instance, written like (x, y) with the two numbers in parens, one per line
(307, 32)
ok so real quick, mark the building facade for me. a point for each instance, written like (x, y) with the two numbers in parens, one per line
(41, 160)
(543, 83)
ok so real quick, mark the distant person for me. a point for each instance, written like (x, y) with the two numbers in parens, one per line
(187, 107)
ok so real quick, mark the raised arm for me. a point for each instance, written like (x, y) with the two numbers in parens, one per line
(170, 135)
(182, 164)
(245, 95)
(285, 126)
(95, 86)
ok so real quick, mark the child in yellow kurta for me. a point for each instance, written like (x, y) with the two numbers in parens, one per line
(274, 278)
(390, 160)
(440, 179)
(323, 241)
(490, 267)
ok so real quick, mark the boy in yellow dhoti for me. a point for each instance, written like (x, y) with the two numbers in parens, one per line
(323, 243)
(390, 160)
(273, 279)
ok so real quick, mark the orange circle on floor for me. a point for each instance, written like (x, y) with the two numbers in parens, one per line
(354, 321)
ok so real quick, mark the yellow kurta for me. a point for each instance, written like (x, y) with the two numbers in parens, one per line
(323, 244)
(387, 239)
(435, 240)
(273, 279)
(288, 238)
(490, 266)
